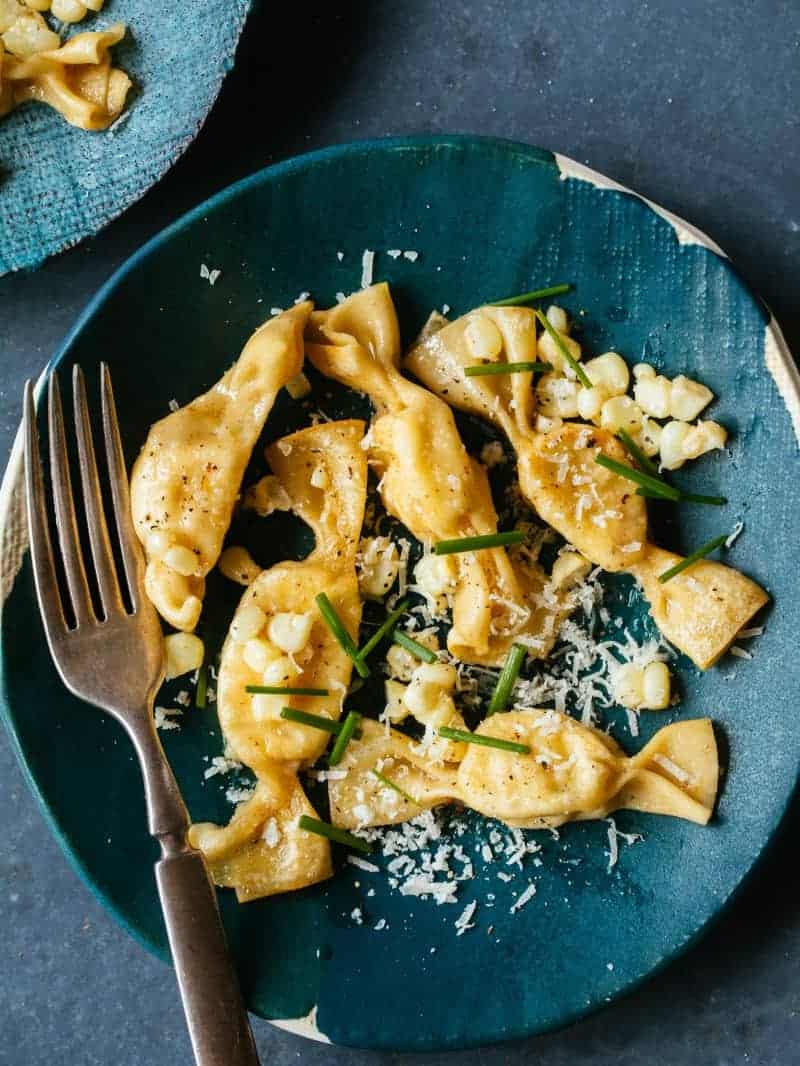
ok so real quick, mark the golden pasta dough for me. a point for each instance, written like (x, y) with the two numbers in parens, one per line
(595, 509)
(278, 638)
(572, 772)
(433, 486)
(186, 479)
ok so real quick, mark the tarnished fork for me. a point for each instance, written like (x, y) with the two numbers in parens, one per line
(115, 660)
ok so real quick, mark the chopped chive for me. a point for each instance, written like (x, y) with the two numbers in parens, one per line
(325, 829)
(695, 497)
(569, 358)
(326, 609)
(486, 369)
(654, 484)
(391, 784)
(474, 544)
(529, 297)
(201, 690)
(316, 721)
(635, 452)
(508, 678)
(649, 495)
(701, 553)
(349, 727)
(419, 651)
(388, 624)
(286, 690)
(478, 738)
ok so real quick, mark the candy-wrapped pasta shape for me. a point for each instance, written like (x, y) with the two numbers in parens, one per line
(185, 482)
(572, 773)
(252, 726)
(430, 483)
(595, 509)
(76, 79)
(262, 851)
(323, 471)
(360, 799)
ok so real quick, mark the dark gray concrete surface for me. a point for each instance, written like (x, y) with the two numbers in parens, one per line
(692, 104)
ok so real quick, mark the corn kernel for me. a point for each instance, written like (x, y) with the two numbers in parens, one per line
(237, 564)
(247, 623)
(656, 687)
(401, 663)
(557, 396)
(673, 436)
(434, 575)
(182, 560)
(558, 319)
(688, 398)
(610, 371)
(550, 353)
(29, 34)
(396, 709)
(653, 394)
(184, 653)
(620, 412)
(568, 569)
(483, 338)
(649, 437)
(378, 564)
(428, 693)
(627, 685)
(644, 370)
(702, 438)
(266, 496)
(289, 631)
(280, 671)
(258, 654)
(590, 402)
(68, 10)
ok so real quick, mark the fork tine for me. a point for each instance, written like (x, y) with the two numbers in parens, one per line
(132, 555)
(66, 523)
(93, 501)
(44, 571)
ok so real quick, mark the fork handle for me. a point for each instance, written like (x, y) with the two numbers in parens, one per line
(215, 1014)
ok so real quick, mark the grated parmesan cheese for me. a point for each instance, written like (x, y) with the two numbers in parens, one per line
(521, 900)
(367, 265)
(165, 717)
(412, 257)
(221, 765)
(740, 653)
(464, 921)
(672, 768)
(737, 529)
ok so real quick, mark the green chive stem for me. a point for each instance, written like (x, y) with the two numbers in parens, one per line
(201, 690)
(507, 679)
(388, 624)
(419, 651)
(316, 721)
(636, 453)
(568, 357)
(335, 624)
(487, 369)
(474, 544)
(349, 727)
(529, 297)
(325, 829)
(694, 497)
(701, 553)
(654, 484)
(285, 690)
(478, 738)
(393, 785)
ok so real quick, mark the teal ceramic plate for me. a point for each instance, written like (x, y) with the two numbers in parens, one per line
(487, 218)
(79, 181)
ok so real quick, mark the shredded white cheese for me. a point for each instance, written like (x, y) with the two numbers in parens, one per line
(367, 265)
(523, 898)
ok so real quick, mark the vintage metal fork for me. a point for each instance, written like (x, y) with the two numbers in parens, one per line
(114, 659)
